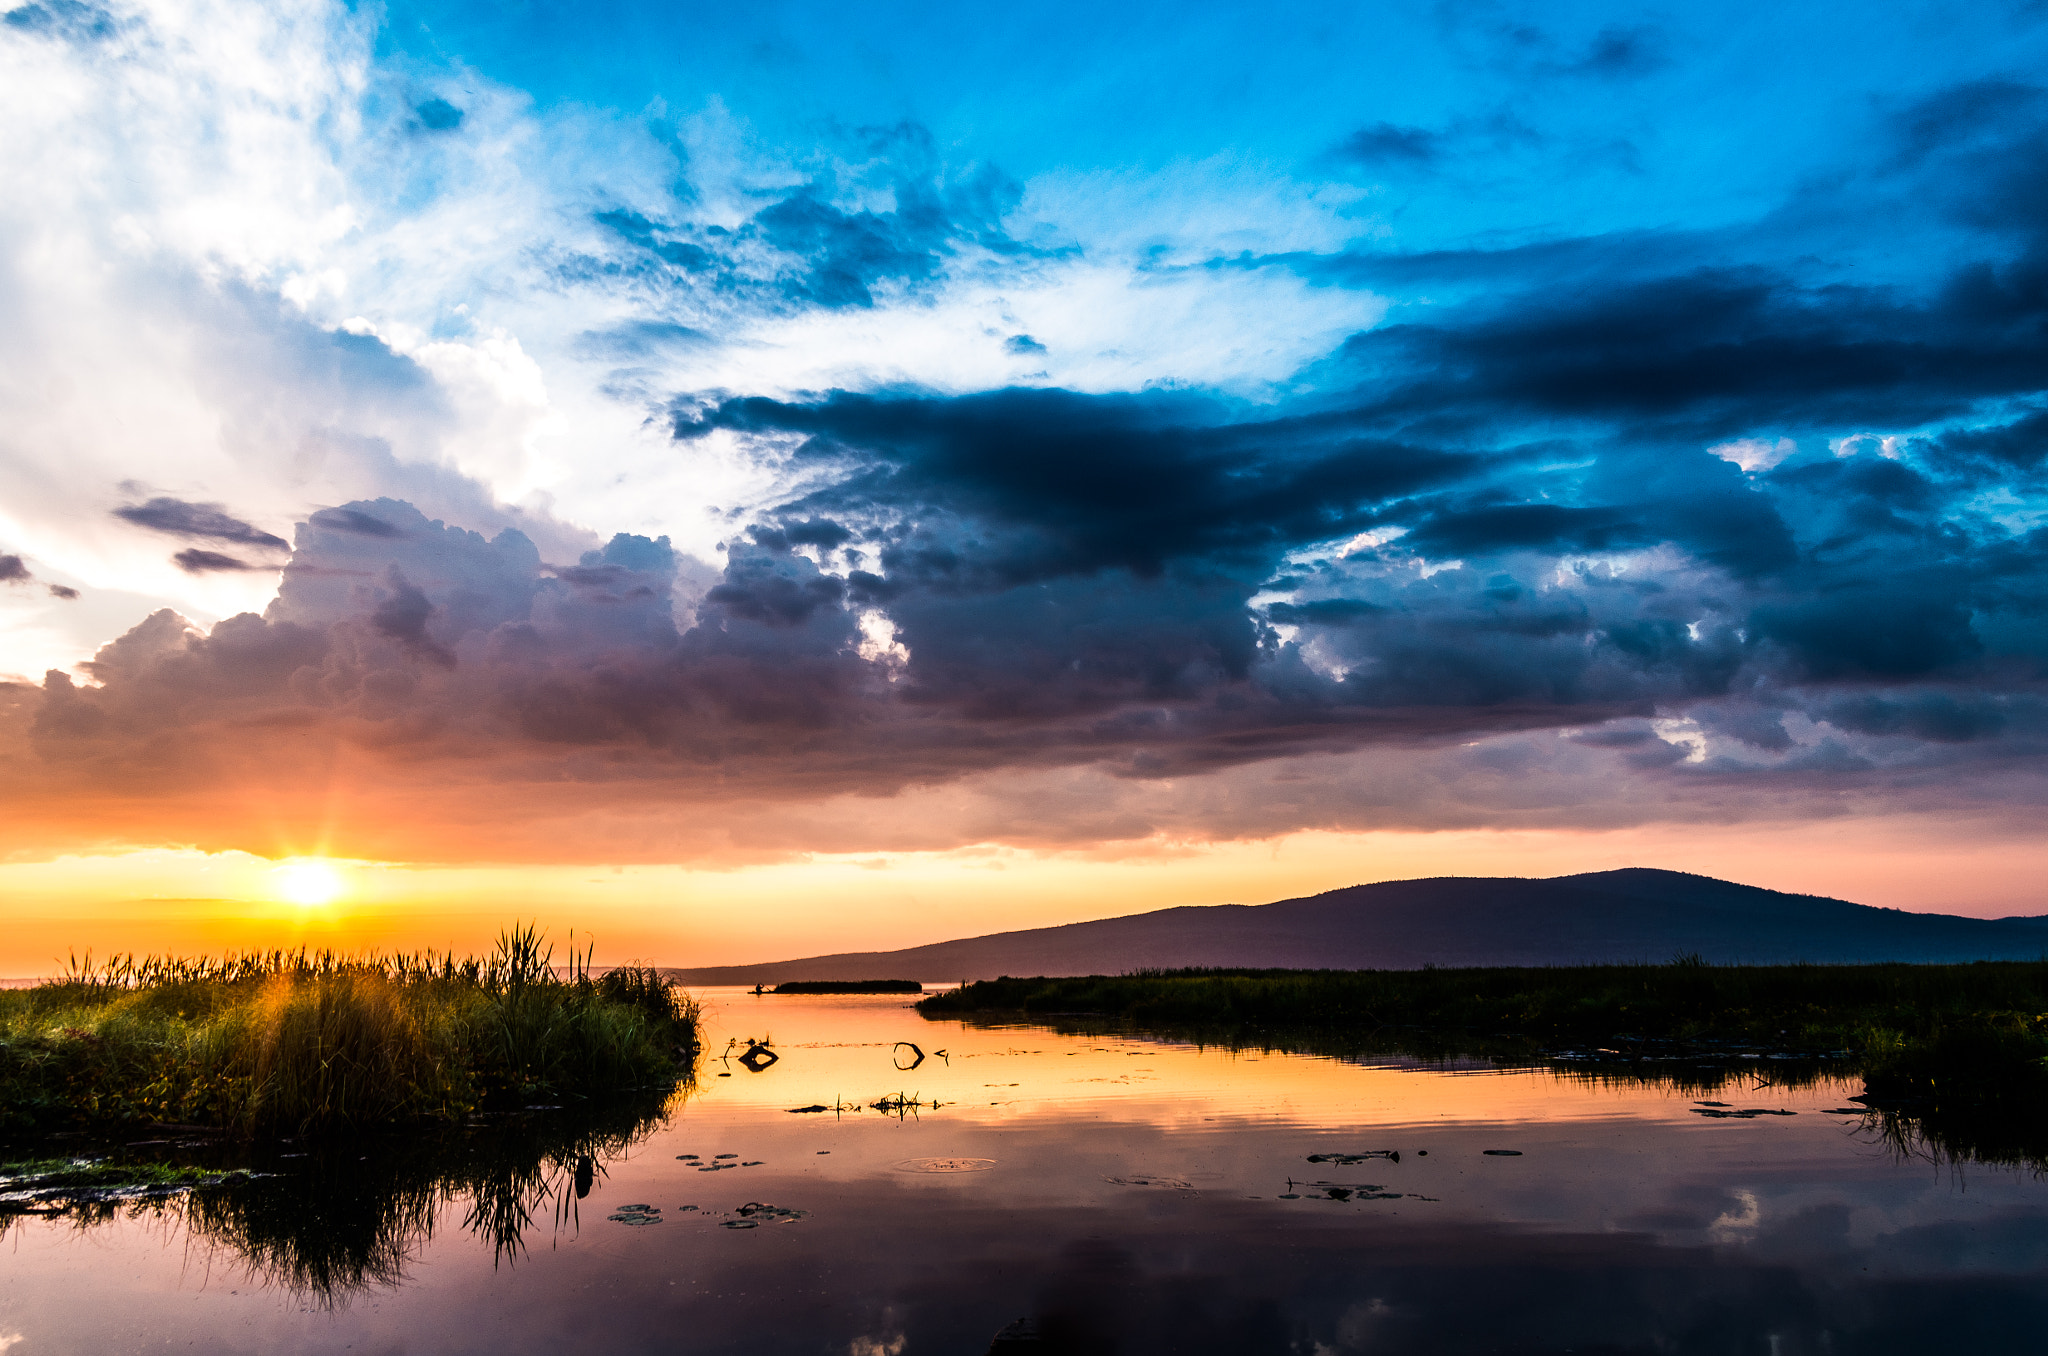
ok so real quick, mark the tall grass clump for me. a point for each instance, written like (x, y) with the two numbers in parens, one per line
(290, 1041)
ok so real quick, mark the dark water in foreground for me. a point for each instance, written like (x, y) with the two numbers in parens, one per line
(1128, 1197)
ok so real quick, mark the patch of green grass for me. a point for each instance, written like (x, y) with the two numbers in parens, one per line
(69, 1174)
(287, 1041)
(1960, 1052)
(1814, 1007)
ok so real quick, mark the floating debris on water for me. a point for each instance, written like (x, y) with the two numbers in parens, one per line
(1846, 1111)
(1154, 1180)
(1744, 1114)
(945, 1165)
(808, 1110)
(1502, 1153)
(725, 1155)
(1346, 1160)
(687, 1158)
(754, 1214)
(1336, 1191)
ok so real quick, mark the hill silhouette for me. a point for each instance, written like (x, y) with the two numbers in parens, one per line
(1632, 915)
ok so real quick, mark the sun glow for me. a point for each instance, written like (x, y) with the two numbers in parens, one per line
(306, 882)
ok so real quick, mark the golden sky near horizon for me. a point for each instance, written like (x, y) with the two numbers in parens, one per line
(173, 900)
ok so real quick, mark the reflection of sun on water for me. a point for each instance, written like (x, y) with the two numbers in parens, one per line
(309, 882)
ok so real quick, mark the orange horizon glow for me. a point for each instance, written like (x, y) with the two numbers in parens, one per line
(172, 900)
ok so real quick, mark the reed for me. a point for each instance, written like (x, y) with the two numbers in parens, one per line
(278, 1041)
(1817, 1007)
(1954, 1056)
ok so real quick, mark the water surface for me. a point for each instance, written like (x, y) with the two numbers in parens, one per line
(1116, 1194)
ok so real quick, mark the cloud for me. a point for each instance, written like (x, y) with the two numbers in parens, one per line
(1621, 52)
(1386, 143)
(1509, 527)
(196, 561)
(355, 522)
(14, 570)
(69, 20)
(204, 522)
(438, 115)
(885, 214)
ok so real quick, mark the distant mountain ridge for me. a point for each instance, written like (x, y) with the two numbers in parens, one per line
(1635, 914)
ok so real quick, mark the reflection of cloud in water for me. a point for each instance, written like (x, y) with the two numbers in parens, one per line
(1740, 1223)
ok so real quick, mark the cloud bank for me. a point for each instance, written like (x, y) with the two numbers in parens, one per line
(733, 501)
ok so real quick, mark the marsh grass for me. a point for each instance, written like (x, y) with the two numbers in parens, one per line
(291, 1041)
(1954, 1058)
(1816, 1008)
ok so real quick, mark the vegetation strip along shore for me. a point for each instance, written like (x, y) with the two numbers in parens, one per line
(1961, 1049)
(291, 1042)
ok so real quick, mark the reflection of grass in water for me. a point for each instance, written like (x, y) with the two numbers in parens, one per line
(286, 1040)
(1956, 1056)
(1689, 1068)
(352, 1214)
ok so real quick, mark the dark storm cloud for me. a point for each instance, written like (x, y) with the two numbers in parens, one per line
(1112, 547)
(202, 522)
(1717, 353)
(1056, 482)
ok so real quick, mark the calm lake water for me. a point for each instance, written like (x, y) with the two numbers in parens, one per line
(1121, 1195)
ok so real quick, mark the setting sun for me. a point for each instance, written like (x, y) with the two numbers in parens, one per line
(313, 882)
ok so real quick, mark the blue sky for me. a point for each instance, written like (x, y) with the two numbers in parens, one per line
(1559, 119)
(1466, 416)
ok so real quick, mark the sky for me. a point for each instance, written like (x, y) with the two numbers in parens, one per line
(745, 484)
